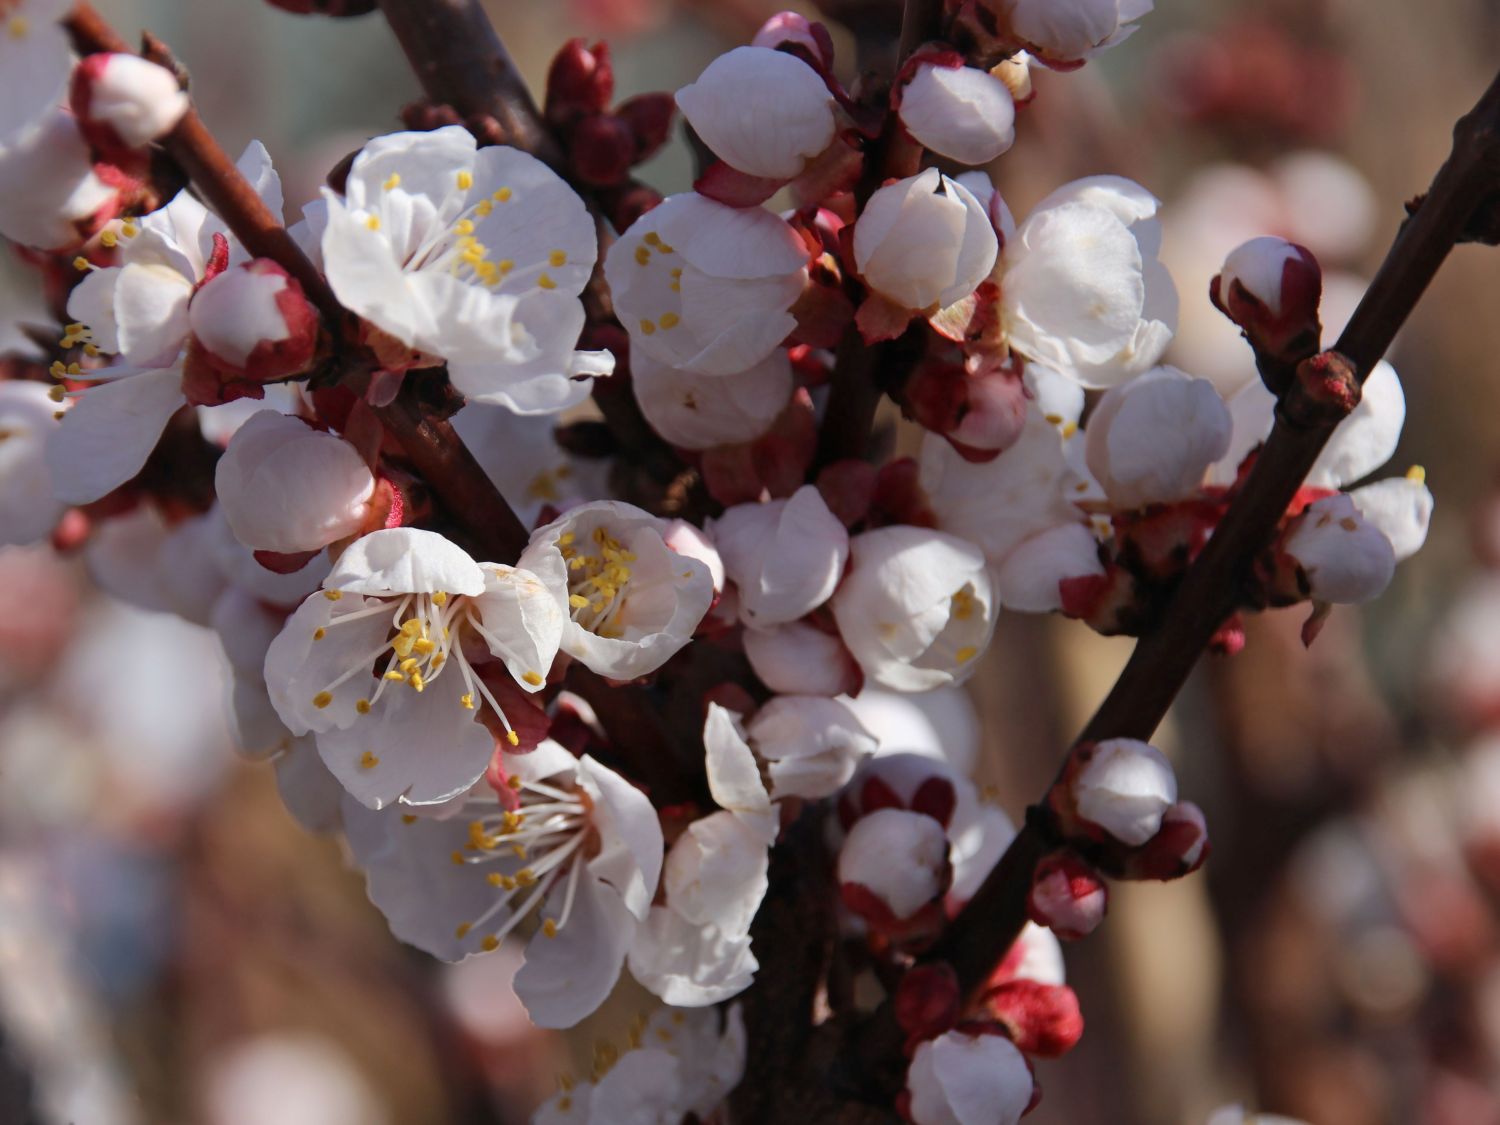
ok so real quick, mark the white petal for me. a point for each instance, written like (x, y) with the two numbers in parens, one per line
(733, 776)
(405, 560)
(1401, 507)
(1365, 440)
(110, 431)
(963, 113)
(630, 855)
(715, 873)
(567, 977)
(688, 965)
(523, 619)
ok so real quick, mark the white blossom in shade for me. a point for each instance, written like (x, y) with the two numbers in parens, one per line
(998, 504)
(811, 744)
(900, 857)
(286, 486)
(959, 1079)
(1028, 579)
(164, 567)
(381, 664)
(940, 724)
(705, 287)
(581, 851)
(982, 188)
(916, 608)
(1365, 440)
(1238, 1115)
(290, 1077)
(688, 964)
(240, 567)
(961, 112)
(1401, 507)
(761, 111)
(1069, 31)
(641, 1087)
(1151, 440)
(50, 196)
(692, 542)
(35, 59)
(311, 795)
(1083, 291)
(520, 455)
(28, 508)
(1125, 788)
(1344, 557)
(702, 411)
(784, 556)
(631, 601)
(474, 255)
(924, 242)
(246, 626)
(1058, 399)
(127, 98)
(801, 658)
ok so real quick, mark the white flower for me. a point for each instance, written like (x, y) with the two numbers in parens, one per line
(898, 856)
(34, 63)
(924, 242)
(1259, 266)
(520, 455)
(702, 411)
(916, 608)
(1083, 292)
(801, 658)
(811, 744)
(424, 612)
(763, 112)
(475, 255)
(1028, 580)
(28, 509)
(632, 602)
(1151, 439)
(785, 556)
(50, 197)
(1365, 440)
(582, 849)
(706, 287)
(960, 112)
(940, 724)
(959, 1079)
(1125, 788)
(1069, 31)
(1344, 557)
(127, 99)
(1000, 503)
(167, 568)
(287, 487)
(1401, 507)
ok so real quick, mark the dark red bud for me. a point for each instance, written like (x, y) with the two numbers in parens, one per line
(580, 81)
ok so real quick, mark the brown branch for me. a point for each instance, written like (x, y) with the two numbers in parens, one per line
(1161, 662)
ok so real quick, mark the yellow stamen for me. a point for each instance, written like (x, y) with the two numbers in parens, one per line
(533, 679)
(109, 238)
(322, 700)
(319, 633)
(467, 699)
(368, 761)
(490, 943)
(483, 208)
(557, 258)
(440, 599)
(1417, 474)
(965, 654)
(18, 27)
(513, 738)
(57, 393)
(463, 930)
(333, 595)
(80, 263)
(647, 328)
(546, 282)
(502, 195)
(669, 320)
(407, 818)
(549, 927)
(362, 706)
(463, 226)
(465, 181)
(373, 222)
(392, 181)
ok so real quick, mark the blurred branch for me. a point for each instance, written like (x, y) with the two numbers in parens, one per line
(992, 920)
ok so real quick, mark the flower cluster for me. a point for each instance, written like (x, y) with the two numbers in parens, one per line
(722, 618)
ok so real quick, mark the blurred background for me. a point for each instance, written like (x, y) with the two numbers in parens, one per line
(174, 948)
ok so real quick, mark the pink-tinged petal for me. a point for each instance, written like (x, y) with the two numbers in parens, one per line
(110, 431)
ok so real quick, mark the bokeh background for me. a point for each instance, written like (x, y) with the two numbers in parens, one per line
(173, 948)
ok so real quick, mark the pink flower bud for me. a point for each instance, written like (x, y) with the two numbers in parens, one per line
(912, 782)
(580, 81)
(51, 195)
(893, 865)
(1178, 849)
(252, 321)
(981, 415)
(792, 28)
(602, 149)
(1271, 289)
(123, 102)
(650, 118)
(1043, 1019)
(927, 1001)
(1067, 896)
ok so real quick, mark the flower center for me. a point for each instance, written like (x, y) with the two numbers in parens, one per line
(598, 580)
(545, 841)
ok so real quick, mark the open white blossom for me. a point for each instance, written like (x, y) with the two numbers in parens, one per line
(1125, 788)
(924, 242)
(959, 1079)
(811, 744)
(705, 287)
(582, 851)
(701, 411)
(1083, 291)
(916, 608)
(961, 112)
(761, 111)
(426, 613)
(1150, 440)
(34, 63)
(631, 601)
(28, 508)
(1029, 579)
(474, 255)
(50, 195)
(784, 556)
(287, 487)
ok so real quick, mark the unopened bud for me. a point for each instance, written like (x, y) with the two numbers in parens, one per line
(914, 782)
(1271, 288)
(981, 415)
(1043, 1019)
(1178, 849)
(123, 102)
(927, 1001)
(1067, 896)
(580, 81)
(894, 864)
(1340, 557)
(602, 149)
(650, 118)
(959, 1078)
(960, 112)
(1120, 787)
(791, 28)
(252, 321)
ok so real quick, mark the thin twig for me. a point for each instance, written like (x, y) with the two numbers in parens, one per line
(1161, 662)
